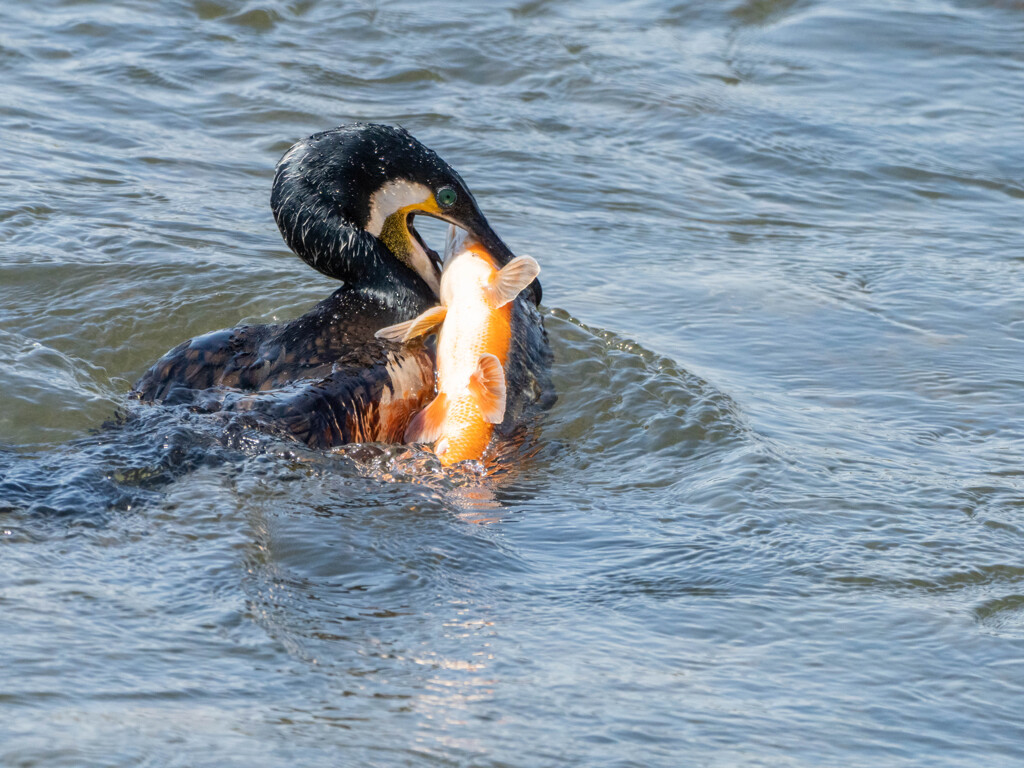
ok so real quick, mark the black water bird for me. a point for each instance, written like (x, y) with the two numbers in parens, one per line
(345, 201)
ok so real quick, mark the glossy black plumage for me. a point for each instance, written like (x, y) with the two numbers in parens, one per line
(319, 379)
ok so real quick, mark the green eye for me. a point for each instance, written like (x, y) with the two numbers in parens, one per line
(446, 197)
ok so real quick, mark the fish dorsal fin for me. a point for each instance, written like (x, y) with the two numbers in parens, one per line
(512, 279)
(487, 386)
(418, 326)
(426, 425)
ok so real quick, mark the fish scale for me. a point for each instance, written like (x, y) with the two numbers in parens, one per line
(472, 351)
(471, 328)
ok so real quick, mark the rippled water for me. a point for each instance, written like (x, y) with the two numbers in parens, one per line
(776, 516)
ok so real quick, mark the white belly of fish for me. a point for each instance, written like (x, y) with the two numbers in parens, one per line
(463, 335)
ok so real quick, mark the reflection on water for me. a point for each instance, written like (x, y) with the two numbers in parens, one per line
(775, 515)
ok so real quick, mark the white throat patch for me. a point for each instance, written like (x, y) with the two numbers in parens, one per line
(392, 197)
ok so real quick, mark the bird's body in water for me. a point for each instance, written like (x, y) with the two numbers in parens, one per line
(473, 347)
(345, 201)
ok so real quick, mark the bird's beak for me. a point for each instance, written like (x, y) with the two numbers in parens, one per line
(480, 232)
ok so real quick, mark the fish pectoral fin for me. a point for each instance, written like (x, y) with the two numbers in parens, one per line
(418, 326)
(426, 425)
(487, 386)
(511, 279)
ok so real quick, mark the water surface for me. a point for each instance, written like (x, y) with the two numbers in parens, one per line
(775, 518)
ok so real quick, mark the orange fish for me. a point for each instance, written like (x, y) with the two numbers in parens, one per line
(472, 348)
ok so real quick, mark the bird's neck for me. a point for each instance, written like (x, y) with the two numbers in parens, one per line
(398, 290)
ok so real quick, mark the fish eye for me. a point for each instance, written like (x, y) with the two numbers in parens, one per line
(446, 197)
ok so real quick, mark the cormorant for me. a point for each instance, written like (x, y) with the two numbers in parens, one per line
(345, 200)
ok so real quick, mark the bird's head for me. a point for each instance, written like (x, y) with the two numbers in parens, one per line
(345, 201)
